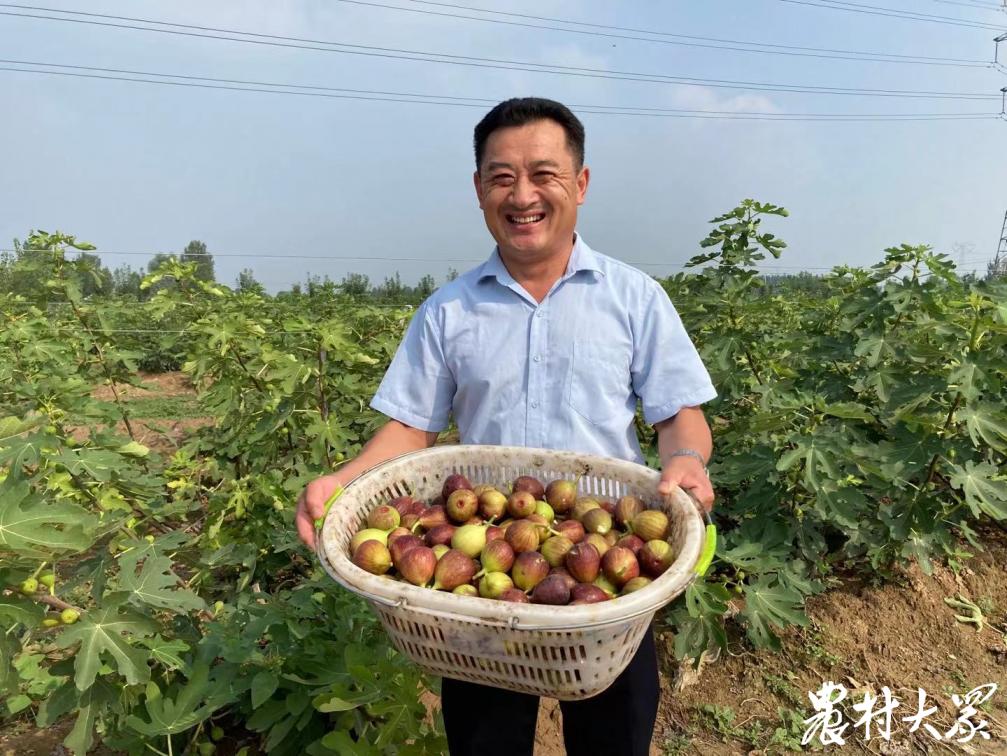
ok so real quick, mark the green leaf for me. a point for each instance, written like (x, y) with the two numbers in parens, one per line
(264, 684)
(167, 652)
(81, 737)
(105, 631)
(33, 528)
(984, 487)
(156, 585)
(23, 611)
(768, 604)
(192, 703)
(134, 449)
(986, 423)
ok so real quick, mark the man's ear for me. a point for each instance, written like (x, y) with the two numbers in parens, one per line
(582, 181)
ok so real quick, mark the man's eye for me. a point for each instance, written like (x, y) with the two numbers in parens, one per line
(544, 175)
(503, 179)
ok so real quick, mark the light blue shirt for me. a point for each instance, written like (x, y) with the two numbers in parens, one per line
(565, 373)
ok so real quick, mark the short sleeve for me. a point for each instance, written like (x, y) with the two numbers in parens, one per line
(418, 388)
(668, 373)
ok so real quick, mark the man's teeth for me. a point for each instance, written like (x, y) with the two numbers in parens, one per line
(526, 218)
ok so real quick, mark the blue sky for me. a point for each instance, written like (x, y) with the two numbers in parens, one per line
(142, 168)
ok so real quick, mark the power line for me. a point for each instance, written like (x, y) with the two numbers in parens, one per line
(875, 10)
(241, 85)
(713, 43)
(503, 64)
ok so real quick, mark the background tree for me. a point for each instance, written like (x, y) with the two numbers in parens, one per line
(355, 285)
(195, 251)
(247, 284)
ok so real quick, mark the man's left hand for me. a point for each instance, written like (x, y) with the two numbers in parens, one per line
(688, 473)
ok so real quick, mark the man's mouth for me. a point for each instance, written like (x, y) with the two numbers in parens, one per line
(525, 220)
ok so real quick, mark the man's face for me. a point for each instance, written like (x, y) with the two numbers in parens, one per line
(529, 188)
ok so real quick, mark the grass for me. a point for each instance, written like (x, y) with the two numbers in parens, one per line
(167, 407)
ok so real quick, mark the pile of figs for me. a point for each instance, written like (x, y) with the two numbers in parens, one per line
(538, 543)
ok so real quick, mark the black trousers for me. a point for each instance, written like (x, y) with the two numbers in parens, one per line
(619, 721)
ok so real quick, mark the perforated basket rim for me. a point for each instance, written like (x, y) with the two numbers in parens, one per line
(346, 513)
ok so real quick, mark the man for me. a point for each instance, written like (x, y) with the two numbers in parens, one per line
(547, 344)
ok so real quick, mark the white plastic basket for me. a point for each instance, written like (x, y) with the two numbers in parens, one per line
(564, 652)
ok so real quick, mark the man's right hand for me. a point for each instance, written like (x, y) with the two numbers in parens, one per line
(311, 505)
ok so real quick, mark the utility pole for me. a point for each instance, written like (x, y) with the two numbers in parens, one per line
(998, 268)
(996, 49)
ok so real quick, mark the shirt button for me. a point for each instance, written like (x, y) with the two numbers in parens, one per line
(537, 358)
(539, 314)
(534, 405)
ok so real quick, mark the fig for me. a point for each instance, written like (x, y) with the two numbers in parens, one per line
(570, 529)
(529, 484)
(561, 495)
(368, 534)
(29, 586)
(494, 533)
(554, 550)
(465, 589)
(469, 539)
(440, 534)
(482, 488)
(566, 576)
(611, 537)
(656, 557)
(597, 521)
(627, 508)
(544, 531)
(553, 590)
(47, 579)
(583, 562)
(453, 569)
(523, 536)
(397, 533)
(606, 585)
(410, 521)
(403, 505)
(384, 517)
(417, 565)
(543, 509)
(455, 482)
(497, 556)
(620, 566)
(400, 546)
(582, 507)
(651, 525)
(598, 542)
(69, 615)
(514, 595)
(433, 516)
(608, 506)
(493, 584)
(632, 542)
(587, 593)
(373, 556)
(530, 569)
(440, 549)
(461, 505)
(492, 504)
(636, 584)
(521, 504)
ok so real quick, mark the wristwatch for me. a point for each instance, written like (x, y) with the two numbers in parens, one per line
(692, 453)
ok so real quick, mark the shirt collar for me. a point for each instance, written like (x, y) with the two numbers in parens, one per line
(582, 258)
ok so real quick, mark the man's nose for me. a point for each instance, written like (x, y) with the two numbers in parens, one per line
(523, 192)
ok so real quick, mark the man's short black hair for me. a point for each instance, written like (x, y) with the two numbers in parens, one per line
(519, 111)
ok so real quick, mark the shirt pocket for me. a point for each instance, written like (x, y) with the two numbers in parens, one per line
(599, 386)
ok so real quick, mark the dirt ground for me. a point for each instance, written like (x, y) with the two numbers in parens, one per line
(901, 634)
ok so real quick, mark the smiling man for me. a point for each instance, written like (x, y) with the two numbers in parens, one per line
(547, 344)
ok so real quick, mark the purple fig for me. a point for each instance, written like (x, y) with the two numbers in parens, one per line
(656, 557)
(397, 533)
(606, 585)
(529, 484)
(651, 525)
(571, 529)
(620, 566)
(567, 577)
(520, 504)
(632, 542)
(440, 534)
(455, 482)
(587, 593)
(431, 517)
(417, 565)
(461, 505)
(410, 521)
(598, 542)
(383, 517)
(561, 495)
(530, 569)
(583, 562)
(453, 569)
(403, 505)
(373, 557)
(514, 595)
(400, 546)
(553, 590)
(368, 534)
(494, 533)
